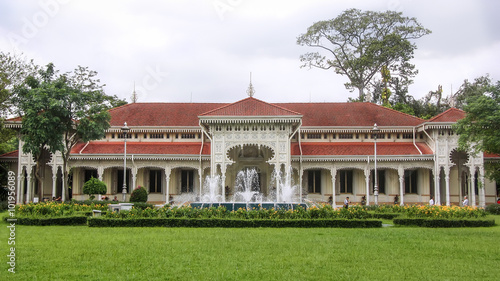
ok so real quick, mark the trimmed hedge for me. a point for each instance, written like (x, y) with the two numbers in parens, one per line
(214, 222)
(423, 222)
(71, 220)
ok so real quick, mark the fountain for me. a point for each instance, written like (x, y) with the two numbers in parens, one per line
(247, 187)
(287, 191)
(247, 193)
(211, 192)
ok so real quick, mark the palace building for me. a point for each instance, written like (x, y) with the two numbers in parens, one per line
(332, 150)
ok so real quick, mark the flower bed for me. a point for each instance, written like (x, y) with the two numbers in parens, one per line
(322, 212)
(426, 211)
(56, 209)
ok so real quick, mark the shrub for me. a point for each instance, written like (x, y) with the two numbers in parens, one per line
(426, 222)
(94, 186)
(72, 220)
(4, 206)
(493, 209)
(139, 195)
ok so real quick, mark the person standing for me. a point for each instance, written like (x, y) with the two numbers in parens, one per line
(466, 201)
(431, 202)
(346, 202)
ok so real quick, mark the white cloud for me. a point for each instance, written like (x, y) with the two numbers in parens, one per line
(208, 53)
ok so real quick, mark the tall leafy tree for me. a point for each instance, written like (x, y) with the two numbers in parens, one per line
(58, 111)
(480, 129)
(359, 44)
(13, 71)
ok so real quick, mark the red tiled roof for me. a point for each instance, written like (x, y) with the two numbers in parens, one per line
(250, 107)
(450, 115)
(490, 155)
(162, 148)
(314, 114)
(12, 154)
(350, 114)
(360, 148)
(160, 114)
(15, 119)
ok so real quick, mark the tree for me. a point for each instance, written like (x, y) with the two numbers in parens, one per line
(94, 186)
(467, 90)
(13, 71)
(359, 44)
(58, 111)
(480, 129)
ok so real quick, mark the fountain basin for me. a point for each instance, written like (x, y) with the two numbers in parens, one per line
(234, 206)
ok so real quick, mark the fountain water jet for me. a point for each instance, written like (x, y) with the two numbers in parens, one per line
(211, 192)
(247, 192)
(287, 190)
(247, 187)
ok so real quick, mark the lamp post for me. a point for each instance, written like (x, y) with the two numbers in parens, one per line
(125, 130)
(375, 131)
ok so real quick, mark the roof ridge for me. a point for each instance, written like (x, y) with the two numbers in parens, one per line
(5, 154)
(114, 108)
(444, 112)
(246, 99)
(395, 111)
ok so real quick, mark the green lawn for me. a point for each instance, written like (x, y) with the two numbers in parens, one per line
(390, 253)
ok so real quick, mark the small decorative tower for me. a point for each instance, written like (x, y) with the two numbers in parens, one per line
(250, 90)
(134, 96)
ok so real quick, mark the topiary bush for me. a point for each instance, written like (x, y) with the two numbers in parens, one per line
(94, 186)
(493, 209)
(139, 195)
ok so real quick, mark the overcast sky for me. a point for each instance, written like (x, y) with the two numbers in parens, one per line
(204, 51)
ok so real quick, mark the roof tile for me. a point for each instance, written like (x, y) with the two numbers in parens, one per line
(450, 115)
(359, 148)
(162, 148)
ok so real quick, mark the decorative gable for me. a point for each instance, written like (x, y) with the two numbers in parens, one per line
(251, 110)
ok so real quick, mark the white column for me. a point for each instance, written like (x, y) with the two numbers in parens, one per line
(333, 172)
(100, 172)
(54, 180)
(20, 186)
(301, 185)
(134, 178)
(28, 192)
(367, 183)
(447, 179)
(200, 178)
(167, 184)
(63, 195)
(482, 195)
(437, 187)
(472, 180)
(401, 174)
